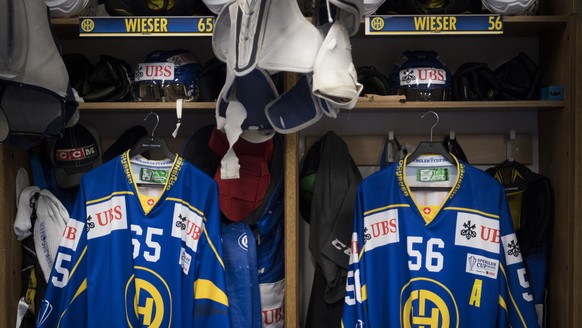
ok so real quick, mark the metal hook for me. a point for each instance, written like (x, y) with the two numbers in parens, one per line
(157, 121)
(435, 124)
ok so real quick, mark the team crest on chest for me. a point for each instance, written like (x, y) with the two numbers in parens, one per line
(148, 298)
(427, 303)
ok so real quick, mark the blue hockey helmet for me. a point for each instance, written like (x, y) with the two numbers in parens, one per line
(421, 76)
(167, 76)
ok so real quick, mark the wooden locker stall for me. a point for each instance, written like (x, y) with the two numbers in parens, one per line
(554, 39)
(10, 252)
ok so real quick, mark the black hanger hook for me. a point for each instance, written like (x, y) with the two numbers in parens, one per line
(435, 123)
(157, 121)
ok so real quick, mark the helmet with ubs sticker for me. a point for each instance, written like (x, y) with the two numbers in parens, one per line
(421, 76)
(167, 76)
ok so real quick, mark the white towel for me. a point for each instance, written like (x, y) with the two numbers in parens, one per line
(52, 218)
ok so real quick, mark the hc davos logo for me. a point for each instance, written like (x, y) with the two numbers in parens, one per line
(427, 303)
(87, 25)
(148, 300)
(377, 23)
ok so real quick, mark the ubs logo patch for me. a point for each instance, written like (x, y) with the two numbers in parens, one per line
(188, 226)
(427, 303)
(511, 249)
(105, 217)
(381, 229)
(477, 231)
(148, 300)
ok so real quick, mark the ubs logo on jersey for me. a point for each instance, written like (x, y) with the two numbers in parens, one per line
(188, 226)
(72, 234)
(427, 303)
(354, 249)
(468, 230)
(381, 229)
(148, 299)
(273, 316)
(511, 249)
(102, 218)
(477, 231)
(272, 304)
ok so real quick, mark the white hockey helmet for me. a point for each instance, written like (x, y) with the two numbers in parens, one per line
(71, 8)
(216, 5)
(370, 6)
(511, 7)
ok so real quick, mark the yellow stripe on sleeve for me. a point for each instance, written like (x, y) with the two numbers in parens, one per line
(502, 303)
(204, 288)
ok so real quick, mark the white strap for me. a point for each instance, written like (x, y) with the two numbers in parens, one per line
(21, 311)
(179, 104)
(235, 116)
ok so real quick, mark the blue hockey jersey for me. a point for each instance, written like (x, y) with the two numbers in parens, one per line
(424, 261)
(142, 249)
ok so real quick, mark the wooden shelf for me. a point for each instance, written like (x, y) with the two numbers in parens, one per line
(453, 106)
(67, 28)
(532, 25)
(96, 107)
(364, 104)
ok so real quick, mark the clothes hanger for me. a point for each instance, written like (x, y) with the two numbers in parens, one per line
(509, 159)
(430, 147)
(390, 150)
(509, 146)
(152, 143)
